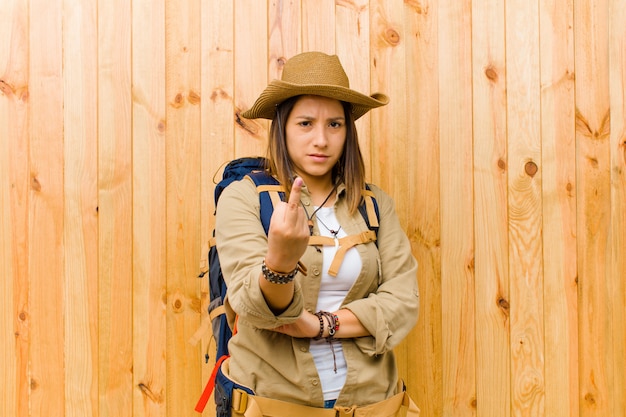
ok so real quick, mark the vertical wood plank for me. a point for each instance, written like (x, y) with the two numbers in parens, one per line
(115, 254)
(318, 26)
(45, 252)
(251, 51)
(493, 377)
(559, 207)
(389, 73)
(182, 68)
(149, 208)
(285, 34)
(14, 193)
(425, 379)
(456, 199)
(593, 201)
(218, 144)
(352, 46)
(387, 50)
(617, 262)
(80, 234)
(525, 202)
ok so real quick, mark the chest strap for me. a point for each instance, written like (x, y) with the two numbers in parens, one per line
(342, 245)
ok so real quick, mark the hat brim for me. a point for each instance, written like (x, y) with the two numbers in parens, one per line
(278, 91)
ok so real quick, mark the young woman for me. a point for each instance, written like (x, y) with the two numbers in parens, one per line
(317, 318)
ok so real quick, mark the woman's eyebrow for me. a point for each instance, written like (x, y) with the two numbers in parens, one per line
(333, 119)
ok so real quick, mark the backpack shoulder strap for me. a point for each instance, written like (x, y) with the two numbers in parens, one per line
(270, 191)
(369, 208)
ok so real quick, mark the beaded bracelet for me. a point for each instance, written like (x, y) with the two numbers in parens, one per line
(278, 277)
(333, 326)
(321, 333)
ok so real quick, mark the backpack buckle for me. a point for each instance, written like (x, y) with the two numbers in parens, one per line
(239, 401)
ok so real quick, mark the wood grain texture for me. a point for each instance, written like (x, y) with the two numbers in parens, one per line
(425, 379)
(617, 260)
(525, 215)
(456, 199)
(149, 209)
(182, 150)
(46, 208)
(80, 233)
(284, 34)
(493, 376)
(594, 205)
(115, 194)
(14, 209)
(251, 52)
(318, 26)
(559, 208)
(389, 72)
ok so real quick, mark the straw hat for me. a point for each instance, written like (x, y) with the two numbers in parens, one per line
(313, 73)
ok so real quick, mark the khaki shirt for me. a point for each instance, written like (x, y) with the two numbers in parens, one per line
(385, 299)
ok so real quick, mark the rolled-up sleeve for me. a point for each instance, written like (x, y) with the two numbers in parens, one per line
(242, 245)
(392, 310)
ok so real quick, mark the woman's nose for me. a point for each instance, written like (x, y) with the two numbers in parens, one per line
(320, 139)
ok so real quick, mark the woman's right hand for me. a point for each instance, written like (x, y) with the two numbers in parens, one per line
(288, 234)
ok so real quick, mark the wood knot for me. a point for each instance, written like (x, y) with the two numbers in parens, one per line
(471, 264)
(491, 74)
(5, 88)
(503, 305)
(219, 93)
(242, 123)
(193, 98)
(148, 393)
(22, 316)
(531, 168)
(280, 62)
(501, 164)
(590, 399)
(417, 5)
(392, 36)
(178, 101)
(177, 305)
(161, 126)
(35, 184)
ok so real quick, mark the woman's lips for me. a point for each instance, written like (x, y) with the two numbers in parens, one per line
(319, 157)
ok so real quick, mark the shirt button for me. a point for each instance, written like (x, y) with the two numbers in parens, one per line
(307, 203)
(316, 271)
(303, 349)
(314, 382)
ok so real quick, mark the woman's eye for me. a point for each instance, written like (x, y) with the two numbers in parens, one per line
(305, 123)
(335, 124)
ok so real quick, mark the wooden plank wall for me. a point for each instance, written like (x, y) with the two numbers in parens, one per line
(504, 147)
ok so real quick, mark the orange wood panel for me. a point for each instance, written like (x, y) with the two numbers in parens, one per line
(115, 228)
(493, 376)
(456, 199)
(149, 209)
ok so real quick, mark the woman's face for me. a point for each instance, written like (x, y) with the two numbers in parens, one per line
(316, 134)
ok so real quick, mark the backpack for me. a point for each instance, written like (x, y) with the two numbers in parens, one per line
(270, 193)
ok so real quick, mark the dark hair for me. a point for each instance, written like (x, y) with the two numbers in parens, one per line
(350, 168)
